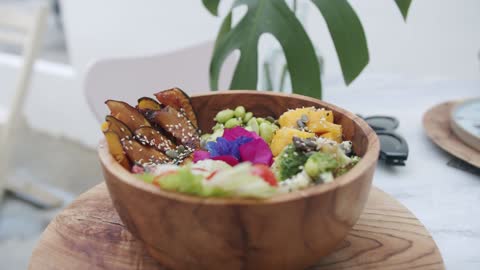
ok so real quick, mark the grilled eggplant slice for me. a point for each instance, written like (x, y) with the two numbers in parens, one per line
(142, 154)
(177, 125)
(113, 124)
(186, 160)
(152, 137)
(180, 101)
(116, 149)
(132, 118)
(146, 103)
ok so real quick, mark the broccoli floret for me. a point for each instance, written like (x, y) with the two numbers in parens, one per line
(289, 163)
(319, 164)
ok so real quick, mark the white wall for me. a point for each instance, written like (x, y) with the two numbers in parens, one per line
(440, 39)
(112, 28)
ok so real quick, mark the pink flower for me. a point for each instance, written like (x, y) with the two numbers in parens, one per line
(200, 155)
(257, 152)
(237, 145)
(231, 134)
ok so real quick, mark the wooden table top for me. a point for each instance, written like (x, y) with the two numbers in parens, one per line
(89, 235)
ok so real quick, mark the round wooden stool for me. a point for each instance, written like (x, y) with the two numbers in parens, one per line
(89, 235)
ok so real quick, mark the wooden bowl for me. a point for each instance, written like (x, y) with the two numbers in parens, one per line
(290, 231)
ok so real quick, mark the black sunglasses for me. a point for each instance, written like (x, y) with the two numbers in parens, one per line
(393, 147)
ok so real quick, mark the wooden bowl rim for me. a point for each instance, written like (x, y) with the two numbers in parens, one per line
(369, 159)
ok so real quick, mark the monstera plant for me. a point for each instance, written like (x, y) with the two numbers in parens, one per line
(277, 18)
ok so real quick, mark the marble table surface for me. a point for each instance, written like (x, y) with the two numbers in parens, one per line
(445, 199)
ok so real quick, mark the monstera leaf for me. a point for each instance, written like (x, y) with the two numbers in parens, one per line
(347, 35)
(403, 5)
(275, 17)
(212, 6)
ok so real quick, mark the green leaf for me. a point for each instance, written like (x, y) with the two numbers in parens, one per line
(268, 76)
(267, 16)
(224, 29)
(212, 6)
(347, 34)
(403, 5)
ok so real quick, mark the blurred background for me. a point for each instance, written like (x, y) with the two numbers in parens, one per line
(55, 141)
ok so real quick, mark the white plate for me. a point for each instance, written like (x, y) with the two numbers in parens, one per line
(465, 122)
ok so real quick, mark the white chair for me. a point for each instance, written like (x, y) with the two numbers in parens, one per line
(23, 29)
(131, 78)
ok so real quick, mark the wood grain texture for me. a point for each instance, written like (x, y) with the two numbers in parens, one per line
(90, 235)
(187, 232)
(436, 123)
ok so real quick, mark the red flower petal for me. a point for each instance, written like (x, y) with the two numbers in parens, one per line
(231, 160)
(257, 152)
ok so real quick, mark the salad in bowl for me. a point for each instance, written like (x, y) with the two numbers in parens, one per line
(243, 155)
(237, 179)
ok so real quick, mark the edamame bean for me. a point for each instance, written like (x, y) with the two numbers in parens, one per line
(224, 116)
(217, 127)
(240, 112)
(247, 117)
(233, 123)
(253, 124)
(261, 120)
(205, 136)
(266, 132)
(217, 133)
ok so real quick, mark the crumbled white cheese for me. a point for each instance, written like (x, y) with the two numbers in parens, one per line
(346, 146)
(296, 182)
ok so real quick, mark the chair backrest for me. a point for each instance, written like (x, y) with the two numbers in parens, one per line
(24, 29)
(128, 79)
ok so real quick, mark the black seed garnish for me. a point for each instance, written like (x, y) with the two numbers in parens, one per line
(304, 118)
(172, 153)
(300, 124)
(305, 145)
(270, 119)
(181, 149)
